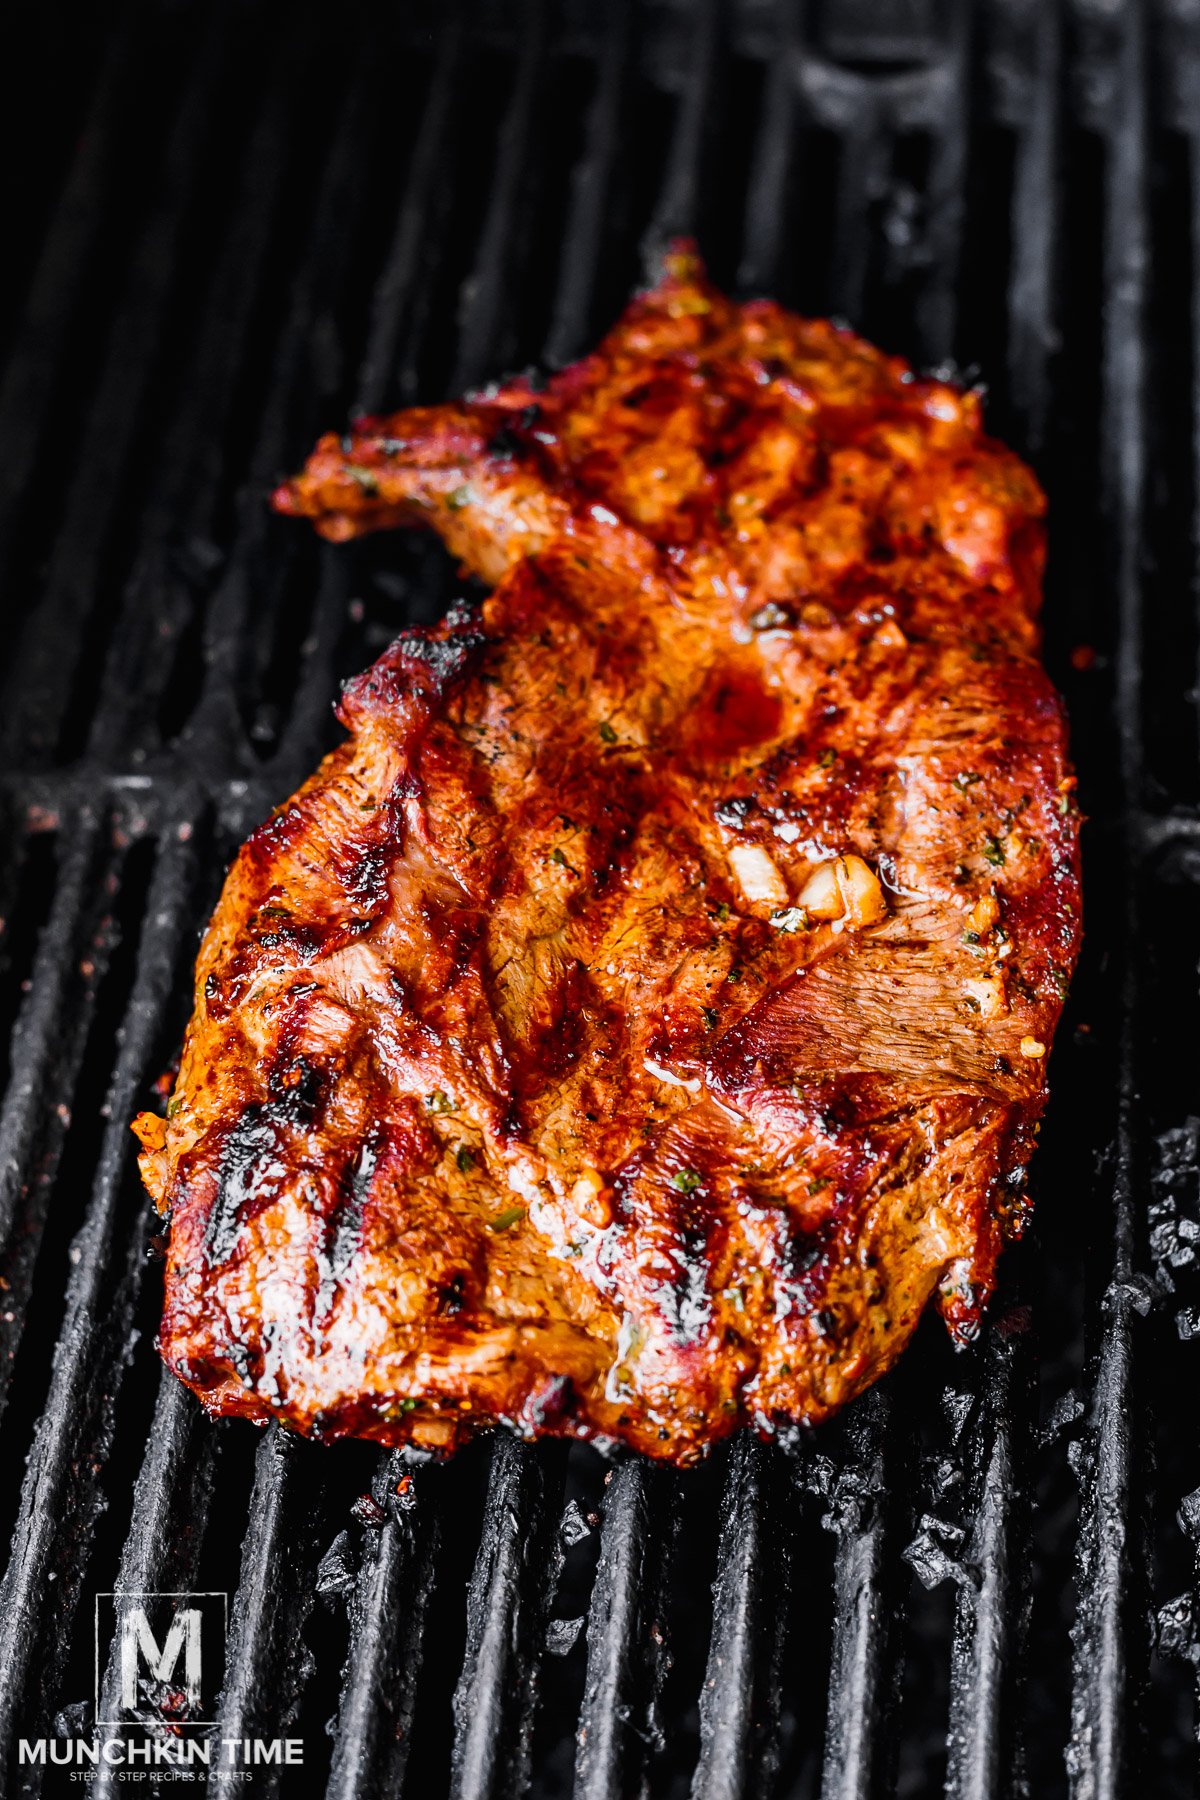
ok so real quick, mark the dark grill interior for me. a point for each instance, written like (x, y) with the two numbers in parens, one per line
(230, 225)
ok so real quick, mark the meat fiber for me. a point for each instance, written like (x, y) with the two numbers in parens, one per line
(644, 1013)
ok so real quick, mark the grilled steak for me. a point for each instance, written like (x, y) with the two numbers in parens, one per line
(644, 1012)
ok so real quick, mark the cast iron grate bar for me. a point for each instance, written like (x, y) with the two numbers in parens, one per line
(179, 540)
(43, 676)
(40, 1025)
(171, 1507)
(50, 309)
(483, 327)
(861, 180)
(391, 301)
(1031, 330)
(591, 182)
(945, 196)
(237, 605)
(512, 1587)
(93, 1345)
(388, 1612)
(981, 1739)
(739, 1702)
(859, 1695)
(1098, 1754)
(267, 1659)
(775, 167)
(679, 200)
(624, 1661)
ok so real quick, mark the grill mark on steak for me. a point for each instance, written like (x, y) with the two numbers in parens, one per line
(251, 1168)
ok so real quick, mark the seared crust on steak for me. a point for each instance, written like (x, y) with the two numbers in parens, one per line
(644, 1013)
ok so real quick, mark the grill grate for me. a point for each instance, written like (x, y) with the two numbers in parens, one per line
(229, 226)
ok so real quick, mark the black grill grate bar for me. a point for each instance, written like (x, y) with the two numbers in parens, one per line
(591, 183)
(41, 1023)
(1123, 380)
(986, 1646)
(511, 1591)
(945, 196)
(266, 1659)
(616, 1712)
(54, 292)
(1193, 163)
(92, 937)
(1035, 225)
(88, 1365)
(1098, 1752)
(179, 511)
(171, 1508)
(383, 1663)
(774, 166)
(861, 178)
(677, 209)
(485, 294)
(39, 679)
(292, 391)
(304, 737)
(859, 1664)
(392, 299)
(739, 1696)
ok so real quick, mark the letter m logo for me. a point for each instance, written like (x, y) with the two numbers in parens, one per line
(159, 1657)
(138, 1644)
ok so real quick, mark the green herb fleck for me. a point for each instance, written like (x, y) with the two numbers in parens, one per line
(607, 734)
(458, 499)
(790, 918)
(407, 1406)
(686, 1181)
(723, 911)
(711, 1016)
(993, 851)
(827, 758)
(439, 1101)
(174, 1105)
(512, 1215)
(464, 1158)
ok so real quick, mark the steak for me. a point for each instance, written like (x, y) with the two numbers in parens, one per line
(644, 1012)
